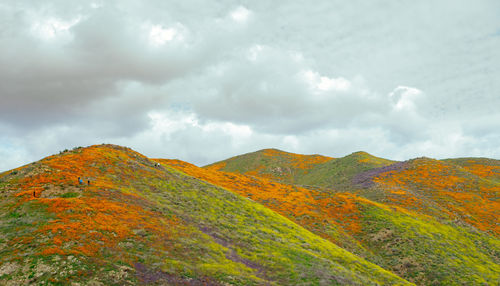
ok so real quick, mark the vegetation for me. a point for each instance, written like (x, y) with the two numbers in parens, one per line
(263, 218)
(271, 163)
(482, 167)
(423, 219)
(132, 222)
(306, 170)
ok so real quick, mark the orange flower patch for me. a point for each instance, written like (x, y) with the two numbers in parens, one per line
(86, 225)
(94, 219)
(457, 195)
(484, 171)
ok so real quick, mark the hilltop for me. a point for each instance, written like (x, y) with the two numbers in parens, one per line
(290, 168)
(271, 163)
(134, 222)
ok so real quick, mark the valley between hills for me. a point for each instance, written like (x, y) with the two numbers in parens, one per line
(264, 218)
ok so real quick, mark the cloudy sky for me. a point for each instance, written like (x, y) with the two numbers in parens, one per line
(205, 80)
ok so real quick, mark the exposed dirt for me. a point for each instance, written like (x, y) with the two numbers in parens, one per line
(382, 235)
(8, 268)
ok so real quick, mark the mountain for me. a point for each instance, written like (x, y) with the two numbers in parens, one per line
(426, 220)
(131, 221)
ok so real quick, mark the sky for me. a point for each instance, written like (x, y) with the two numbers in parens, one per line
(202, 81)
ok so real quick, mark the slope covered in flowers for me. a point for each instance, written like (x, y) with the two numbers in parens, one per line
(304, 206)
(417, 247)
(483, 167)
(464, 191)
(133, 222)
(442, 189)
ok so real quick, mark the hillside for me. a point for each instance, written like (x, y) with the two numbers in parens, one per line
(439, 189)
(465, 191)
(339, 173)
(271, 163)
(418, 247)
(482, 167)
(133, 222)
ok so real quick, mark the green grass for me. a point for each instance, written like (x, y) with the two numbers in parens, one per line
(69, 195)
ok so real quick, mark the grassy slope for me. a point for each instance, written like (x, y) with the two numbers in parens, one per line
(421, 237)
(137, 223)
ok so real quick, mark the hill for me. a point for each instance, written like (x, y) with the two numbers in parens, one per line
(464, 190)
(290, 168)
(427, 214)
(133, 222)
(339, 173)
(271, 163)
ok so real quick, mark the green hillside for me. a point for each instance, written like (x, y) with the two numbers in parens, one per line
(464, 190)
(339, 173)
(271, 163)
(421, 248)
(132, 222)
(317, 170)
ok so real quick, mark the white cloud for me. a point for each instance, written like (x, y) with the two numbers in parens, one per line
(160, 35)
(240, 14)
(319, 83)
(51, 28)
(403, 97)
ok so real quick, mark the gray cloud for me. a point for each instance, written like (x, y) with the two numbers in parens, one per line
(203, 81)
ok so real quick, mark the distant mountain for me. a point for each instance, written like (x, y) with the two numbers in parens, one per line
(130, 221)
